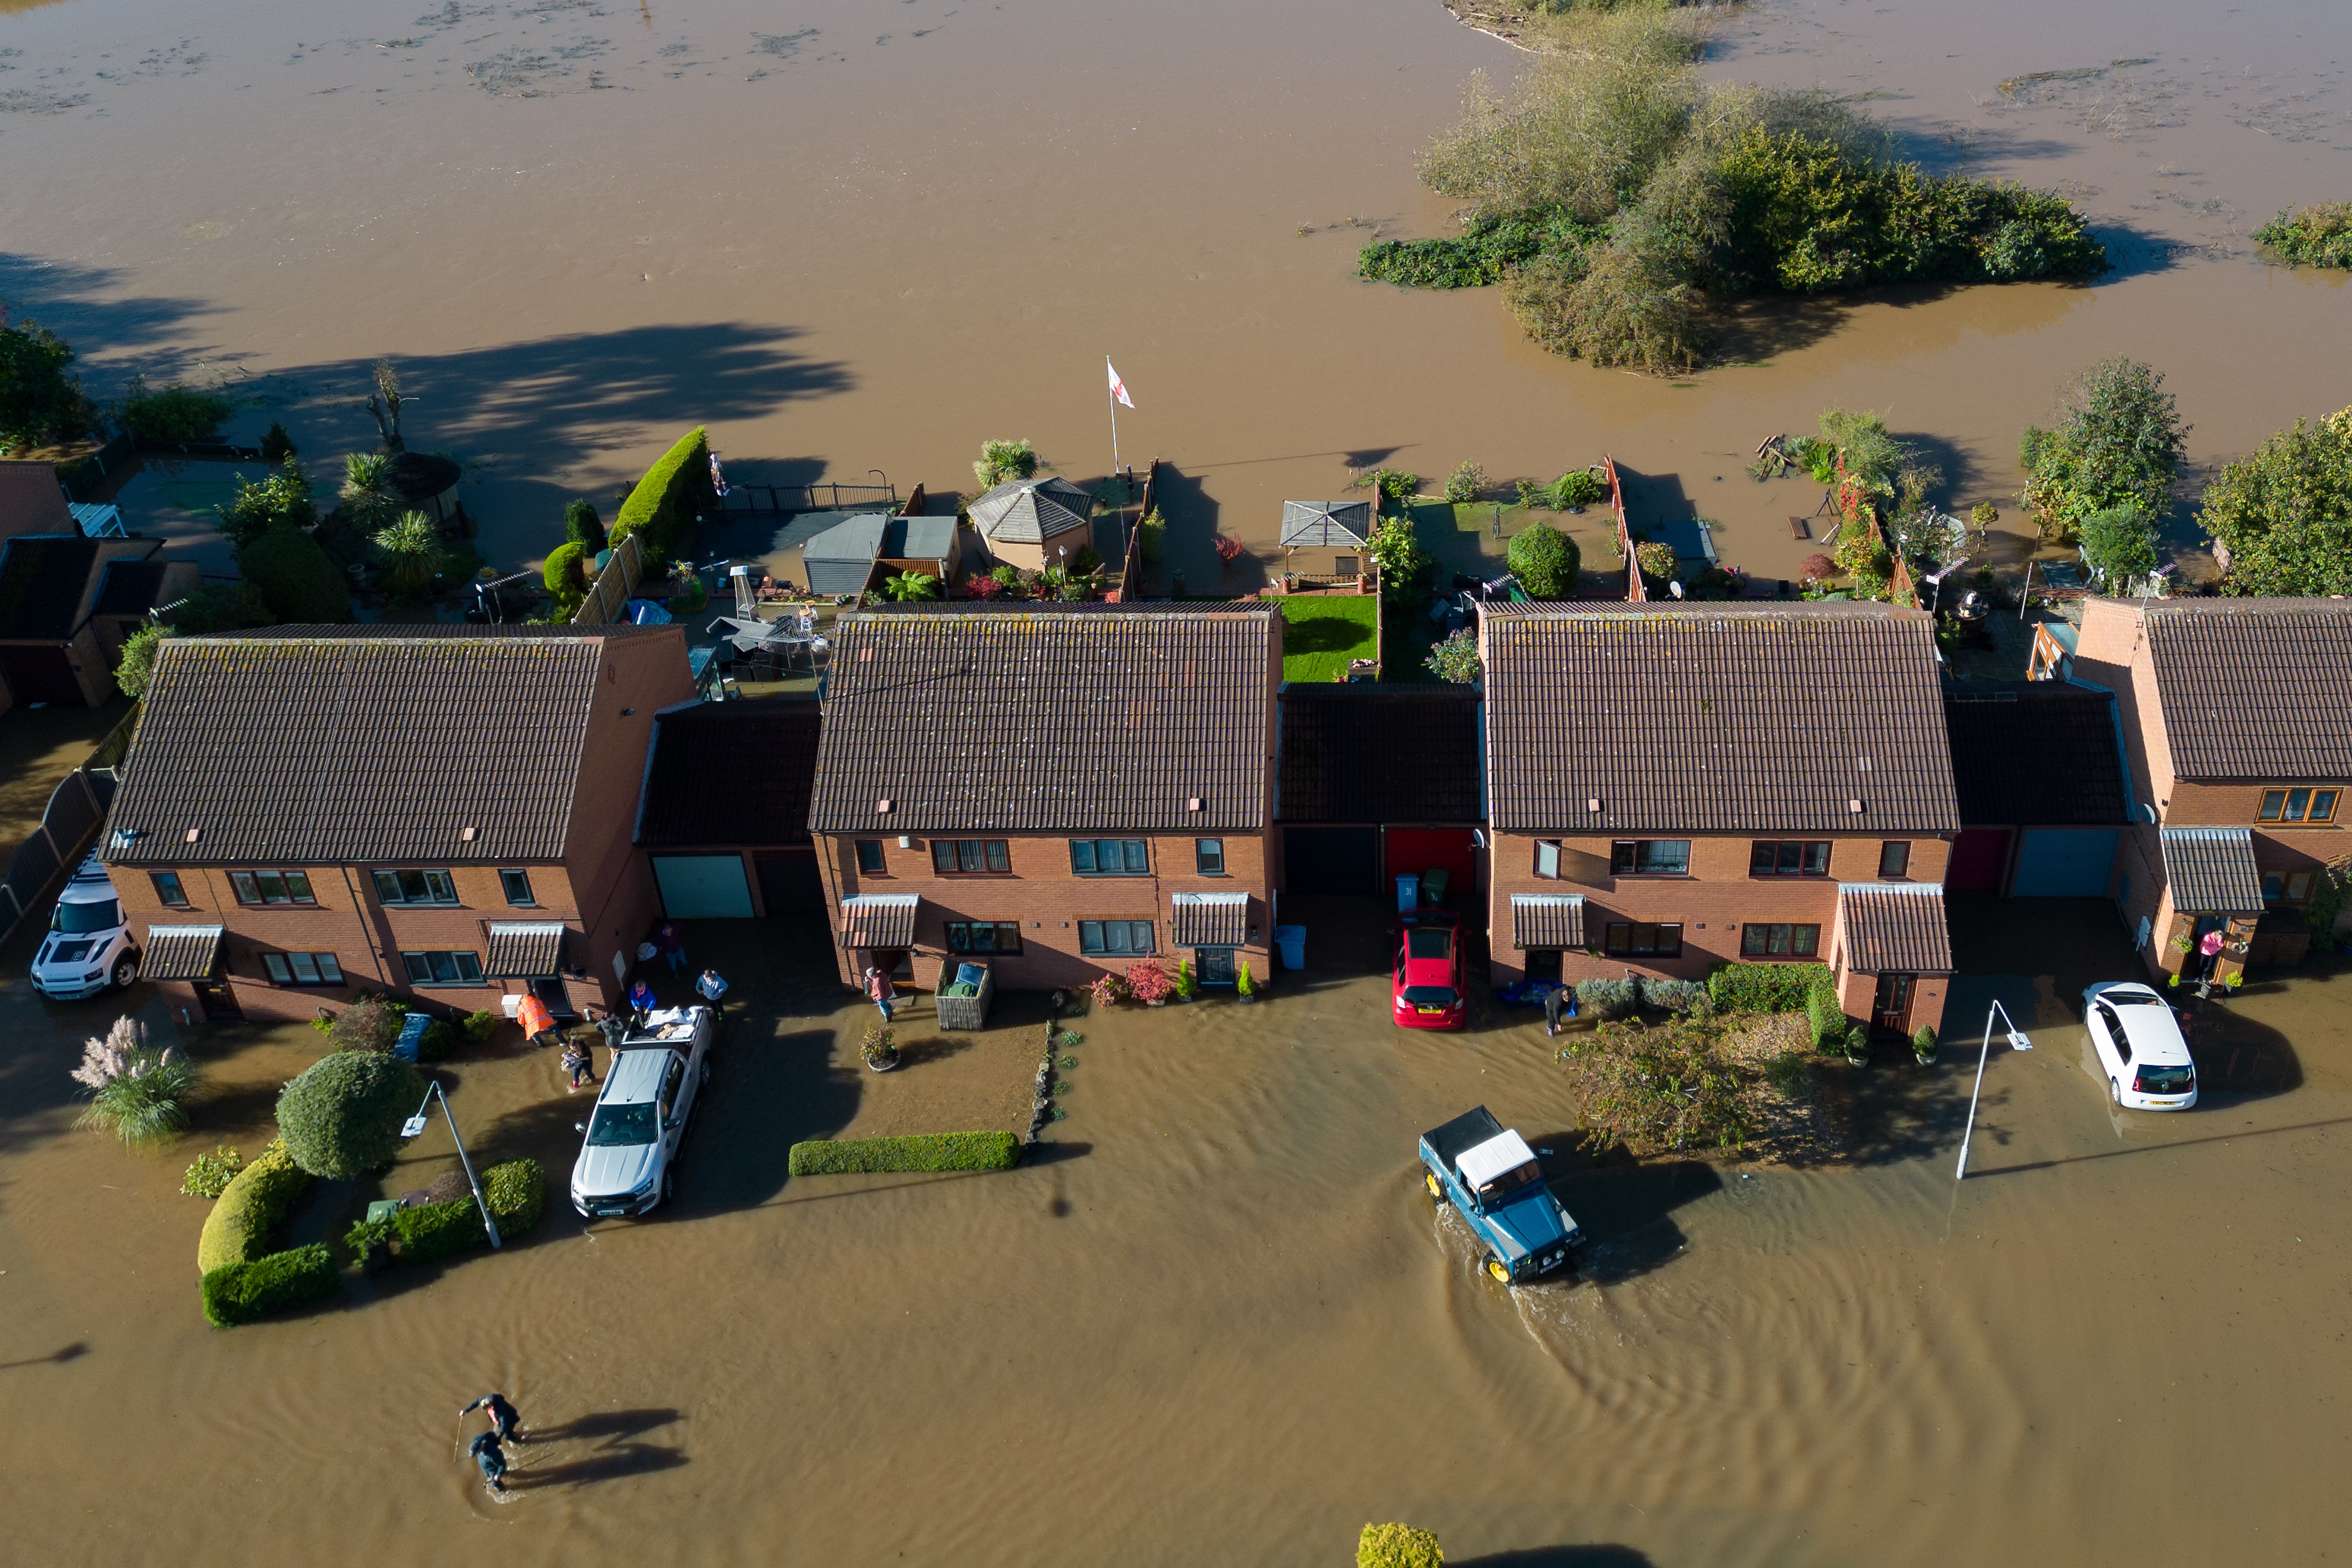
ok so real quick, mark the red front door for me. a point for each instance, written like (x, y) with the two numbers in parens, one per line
(1979, 856)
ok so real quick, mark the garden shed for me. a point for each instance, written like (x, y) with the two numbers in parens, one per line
(1034, 523)
(839, 558)
(1323, 540)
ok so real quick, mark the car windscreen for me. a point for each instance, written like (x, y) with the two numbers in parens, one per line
(1428, 944)
(1430, 995)
(2165, 1081)
(2131, 999)
(1510, 1184)
(617, 1125)
(105, 914)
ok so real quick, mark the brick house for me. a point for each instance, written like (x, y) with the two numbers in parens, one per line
(2237, 720)
(440, 812)
(723, 819)
(66, 604)
(1669, 789)
(1057, 789)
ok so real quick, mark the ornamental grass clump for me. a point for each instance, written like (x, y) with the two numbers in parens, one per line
(136, 1092)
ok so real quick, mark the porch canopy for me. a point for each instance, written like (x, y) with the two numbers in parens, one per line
(1211, 920)
(1325, 524)
(1546, 919)
(2212, 870)
(1895, 928)
(519, 951)
(181, 952)
(878, 921)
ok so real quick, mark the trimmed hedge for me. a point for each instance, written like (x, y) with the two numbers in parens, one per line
(298, 580)
(515, 1191)
(240, 1292)
(1671, 996)
(924, 1151)
(565, 571)
(1827, 1016)
(1765, 987)
(341, 1116)
(1397, 1546)
(662, 506)
(250, 1208)
(1605, 998)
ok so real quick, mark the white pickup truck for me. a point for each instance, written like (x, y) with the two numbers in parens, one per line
(630, 1154)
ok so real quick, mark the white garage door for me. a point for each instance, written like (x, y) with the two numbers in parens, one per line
(703, 887)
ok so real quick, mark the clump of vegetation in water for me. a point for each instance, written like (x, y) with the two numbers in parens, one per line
(1398, 1546)
(175, 414)
(1465, 483)
(209, 1176)
(137, 1092)
(1003, 460)
(1619, 198)
(2104, 474)
(2315, 236)
(40, 400)
(1667, 1086)
(2281, 520)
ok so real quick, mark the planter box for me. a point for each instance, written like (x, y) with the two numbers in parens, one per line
(964, 1012)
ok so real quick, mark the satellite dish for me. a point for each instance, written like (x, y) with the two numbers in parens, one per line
(1674, 588)
(2147, 812)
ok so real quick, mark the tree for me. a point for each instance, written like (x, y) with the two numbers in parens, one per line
(383, 405)
(367, 494)
(281, 499)
(407, 552)
(1465, 483)
(2281, 519)
(583, 526)
(908, 586)
(341, 1116)
(1003, 460)
(137, 665)
(276, 444)
(1405, 567)
(1545, 560)
(1456, 659)
(39, 399)
(2119, 542)
(2119, 442)
(565, 576)
(297, 581)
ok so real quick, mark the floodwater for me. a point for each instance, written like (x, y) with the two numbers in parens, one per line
(1221, 1322)
(857, 235)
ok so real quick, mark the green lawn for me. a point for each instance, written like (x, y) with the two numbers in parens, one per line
(1324, 632)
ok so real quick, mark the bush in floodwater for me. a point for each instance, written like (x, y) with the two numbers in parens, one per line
(1466, 483)
(922, 1151)
(1604, 998)
(1765, 987)
(2119, 542)
(1674, 996)
(1654, 1088)
(1613, 306)
(256, 1199)
(1398, 1546)
(2315, 236)
(175, 414)
(209, 1176)
(341, 1116)
(136, 1092)
(241, 1292)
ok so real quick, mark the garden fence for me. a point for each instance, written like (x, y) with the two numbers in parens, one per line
(1635, 593)
(77, 809)
(608, 600)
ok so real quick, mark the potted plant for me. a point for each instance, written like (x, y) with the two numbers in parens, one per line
(1244, 984)
(1923, 1046)
(1110, 990)
(1857, 1046)
(1185, 984)
(1149, 982)
(879, 1049)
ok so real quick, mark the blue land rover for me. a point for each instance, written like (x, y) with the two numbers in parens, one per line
(1490, 1174)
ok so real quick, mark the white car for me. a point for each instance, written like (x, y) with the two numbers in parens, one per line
(88, 948)
(2140, 1047)
(628, 1160)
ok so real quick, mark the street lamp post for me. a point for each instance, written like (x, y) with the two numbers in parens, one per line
(2017, 1042)
(414, 1127)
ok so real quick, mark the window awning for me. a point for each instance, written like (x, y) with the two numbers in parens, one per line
(524, 952)
(181, 952)
(878, 919)
(2212, 870)
(1895, 928)
(1211, 920)
(1546, 919)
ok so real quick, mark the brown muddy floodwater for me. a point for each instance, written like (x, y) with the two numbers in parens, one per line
(1221, 1323)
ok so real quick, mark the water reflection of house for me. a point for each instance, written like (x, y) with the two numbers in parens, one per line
(1057, 790)
(2038, 767)
(2237, 720)
(441, 812)
(1034, 523)
(1323, 541)
(66, 604)
(1670, 788)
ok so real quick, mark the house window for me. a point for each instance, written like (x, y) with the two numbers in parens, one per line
(168, 888)
(984, 936)
(1111, 856)
(1788, 858)
(415, 888)
(1894, 859)
(271, 886)
(1644, 939)
(302, 968)
(2299, 804)
(1115, 939)
(970, 856)
(2298, 887)
(2273, 887)
(870, 856)
(1650, 857)
(1547, 858)
(1758, 940)
(443, 968)
(1209, 857)
(518, 889)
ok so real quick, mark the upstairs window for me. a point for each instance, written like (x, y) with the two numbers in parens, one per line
(1209, 857)
(1547, 858)
(1894, 859)
(271, 886)
(415, 888)
(168, 888)
(970, 856)
(1650, 857)
(2299, 804)
(1788, 858)
(518, 889)
(869, 858)
(1111, 856)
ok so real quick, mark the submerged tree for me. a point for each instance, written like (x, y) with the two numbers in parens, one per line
(383, 405)
(2119, 442)
(2281, 520)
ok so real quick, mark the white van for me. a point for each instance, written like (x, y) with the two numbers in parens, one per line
(87, 949)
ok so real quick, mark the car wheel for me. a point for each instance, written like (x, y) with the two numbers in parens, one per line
(2116, 1093)
(126, 969)
(1496, 1266)
(670, 1186)
(706, 1074)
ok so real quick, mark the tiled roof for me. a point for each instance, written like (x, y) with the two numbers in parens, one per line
(857, 537)
(2212, 870)
(179, 953)
(878, 919)
(1029, 512)
(1048, 719)
(731, 772)
(297, 750)
(1715, 719)
(31, 500)
(1895, 928)
(127, 587)
(524, 951)
(2254, 688)
(1365, 753)
(42, 577)
(1546, 919)
(2034, 752)
(1209, 920)
(1316, 523)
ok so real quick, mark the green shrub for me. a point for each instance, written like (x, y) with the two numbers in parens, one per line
(564, 574)
(408, 553)
(221, 607)
(1827, 1016)
(256, 1200)
(440, 1042)
(276, 444)
(1604, 998)
(39, 398)
(368, 1024)
(1673, 995)
(241, 1292)
(1857, 1042)
(1002, 460)
(1578, 487)
(922, 1151)
(175, 414)
(341, 1116)
(2284, 514)
(583, 526)
(2120, 543)
(1456, 659)
(2119, 444)
(1405, 567)
(1545, 560)
(136, 665)
(1085, 561)
(663, 505)
(516, 1194)
(1614, 306)
(210, 1174)
(1765, 987)
(2315, 236)
(297, 580)
(1923, 1043)
(1398, 1546)
(480, 1025)
(276, 500)
(1489, 248)
(1466, 483)
(430, 1232)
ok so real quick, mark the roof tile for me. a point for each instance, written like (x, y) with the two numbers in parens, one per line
(1895, 928)
(2212, 870)
(2254, 688)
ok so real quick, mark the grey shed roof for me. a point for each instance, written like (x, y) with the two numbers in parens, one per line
(857, 537)
(2254, 688)
(294, 749)
(1313, 523)
(1030, 511)
(1048, 719)
(1715, 718)
(919, 538)
(2212, 870)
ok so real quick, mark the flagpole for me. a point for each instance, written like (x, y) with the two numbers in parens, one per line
(1111, 392)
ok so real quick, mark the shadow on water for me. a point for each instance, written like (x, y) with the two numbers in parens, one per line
(610, 1463)
(603, 1424)
(1623, 1205)
(58, 1357)
(1594, 1556)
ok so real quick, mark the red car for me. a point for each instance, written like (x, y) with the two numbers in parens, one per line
(1429, 993)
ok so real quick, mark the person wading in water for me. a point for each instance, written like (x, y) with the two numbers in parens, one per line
(502, 1414)
(493, 1461)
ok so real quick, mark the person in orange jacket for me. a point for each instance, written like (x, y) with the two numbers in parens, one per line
(535, 1019)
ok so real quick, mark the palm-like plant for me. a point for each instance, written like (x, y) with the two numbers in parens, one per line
(136, 1092)
(367, 493)
(408, 552)
(908, 586)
